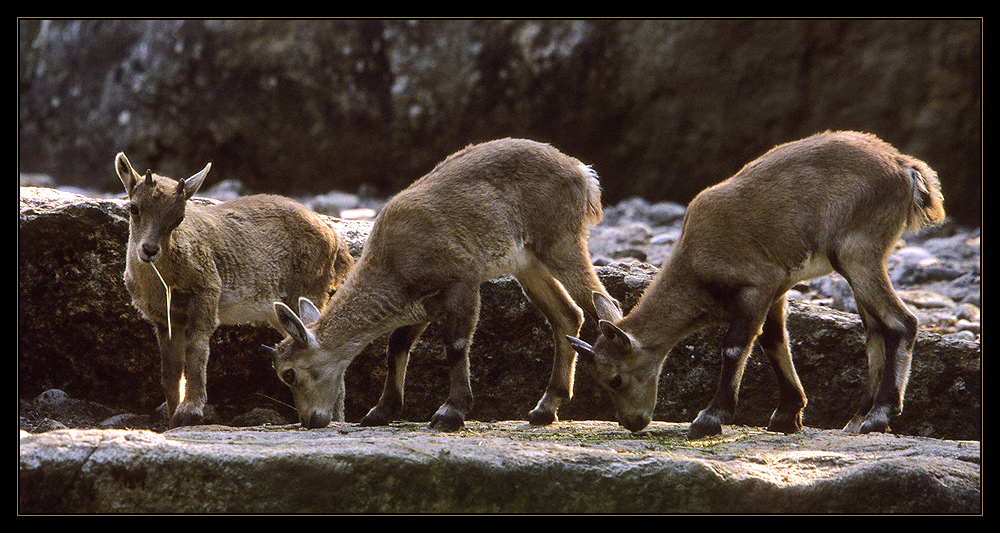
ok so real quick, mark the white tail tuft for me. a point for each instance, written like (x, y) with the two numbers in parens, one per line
(928, 203)
(594, 208)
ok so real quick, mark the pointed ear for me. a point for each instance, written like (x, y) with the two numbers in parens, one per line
(617, 335)
(607, 307)
(308, 311)
(125, 172)
(292, 325)
(584, 350)
(191, 185)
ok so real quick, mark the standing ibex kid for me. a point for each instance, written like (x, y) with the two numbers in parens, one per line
(222, 264)
(503, 207)
(831, 202)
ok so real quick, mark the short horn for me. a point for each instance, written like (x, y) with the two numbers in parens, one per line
(584, 350)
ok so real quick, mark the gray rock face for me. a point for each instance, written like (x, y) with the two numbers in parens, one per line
(501, 467)
(661, 108)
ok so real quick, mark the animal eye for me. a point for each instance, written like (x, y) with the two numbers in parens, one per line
(288, 376)
(615, 382)
(133, 209)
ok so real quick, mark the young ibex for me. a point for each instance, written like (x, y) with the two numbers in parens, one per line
(831, 202)
(223, 264)
(503, 207)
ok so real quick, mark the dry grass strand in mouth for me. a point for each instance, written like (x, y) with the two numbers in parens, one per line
(167, 289)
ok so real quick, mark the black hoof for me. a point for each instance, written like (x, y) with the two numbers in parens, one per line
(705, 426)
(375, 417)
(447, 419)
(786, 423)
(539, 417)
(186, 419)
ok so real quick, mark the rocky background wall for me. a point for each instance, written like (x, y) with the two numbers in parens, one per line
(661, 108)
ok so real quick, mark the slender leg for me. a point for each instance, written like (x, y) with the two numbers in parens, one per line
(565, 318)
(397, 353)
(195, 317)
(898, 332)
(191, 410)
(748, 316)
(571, 265)
(461, 316)
(875, 348)
(787, 417)
(341, 395)
(171, 368)
(891, 333)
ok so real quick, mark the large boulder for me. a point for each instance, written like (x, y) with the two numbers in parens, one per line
(662, 108)
(78, 333)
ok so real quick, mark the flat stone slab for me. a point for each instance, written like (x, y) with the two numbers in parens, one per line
(500, 467)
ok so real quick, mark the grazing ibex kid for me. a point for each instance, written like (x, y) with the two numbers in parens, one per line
(223, 264)
(831, 202)
(503, 207)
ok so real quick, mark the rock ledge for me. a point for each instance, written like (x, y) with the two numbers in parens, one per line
(502, 467)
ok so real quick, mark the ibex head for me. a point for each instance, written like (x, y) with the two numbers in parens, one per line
(314, 377)
(622, 366)
(156, 205)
